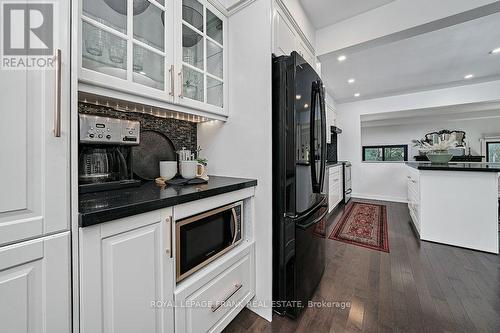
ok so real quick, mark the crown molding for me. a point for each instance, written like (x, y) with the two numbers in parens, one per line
(239, 6)
(220, 7)
(228, 11)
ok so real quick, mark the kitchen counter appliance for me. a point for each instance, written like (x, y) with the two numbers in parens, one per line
(202, 238)
(347, 181)
(104, 153)
(299, 203)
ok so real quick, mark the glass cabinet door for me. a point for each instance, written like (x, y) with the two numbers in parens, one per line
(202, 73)
(128, 39)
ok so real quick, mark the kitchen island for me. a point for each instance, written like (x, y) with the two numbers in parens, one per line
(455, 203)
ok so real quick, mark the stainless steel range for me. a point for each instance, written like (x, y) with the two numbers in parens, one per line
(347, 182)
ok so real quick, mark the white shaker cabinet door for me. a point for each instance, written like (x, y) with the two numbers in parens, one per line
(127, 276)
(35, 286)
(34, 162)
(284, 36)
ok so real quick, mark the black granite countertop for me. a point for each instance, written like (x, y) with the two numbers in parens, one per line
(478, 167)
(105, 206)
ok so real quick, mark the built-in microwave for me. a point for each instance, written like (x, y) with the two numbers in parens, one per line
(202, 238)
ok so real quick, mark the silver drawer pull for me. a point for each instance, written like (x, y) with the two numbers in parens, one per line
(172, 80)
(217, 305)
(57, 101)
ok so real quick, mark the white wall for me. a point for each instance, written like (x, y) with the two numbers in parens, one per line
(475, 129)
(371, 180)
(242, 146)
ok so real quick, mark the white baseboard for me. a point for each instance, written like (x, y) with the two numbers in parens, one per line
(379, 197)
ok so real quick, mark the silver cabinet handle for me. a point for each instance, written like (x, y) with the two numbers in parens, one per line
(181, 93)
(217, 305)
(172, 80)
(169, 230)
(57, 102)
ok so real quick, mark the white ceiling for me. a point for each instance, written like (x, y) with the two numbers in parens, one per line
(323, 13)
(437, 59)
(474, 111)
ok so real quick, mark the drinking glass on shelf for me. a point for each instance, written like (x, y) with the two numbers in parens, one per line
(94, 41)
(117, 50)
(138, 59)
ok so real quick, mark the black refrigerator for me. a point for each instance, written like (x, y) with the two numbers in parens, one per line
(299, 204)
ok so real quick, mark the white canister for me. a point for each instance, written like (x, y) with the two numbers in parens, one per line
(168, 169)
(191, 169)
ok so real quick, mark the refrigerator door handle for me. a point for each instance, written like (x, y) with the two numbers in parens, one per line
(307, 225)
(323, 135)
(312, 134)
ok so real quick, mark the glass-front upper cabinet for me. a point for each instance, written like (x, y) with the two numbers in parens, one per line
(128, 45)
(201, 66)
(169, 50)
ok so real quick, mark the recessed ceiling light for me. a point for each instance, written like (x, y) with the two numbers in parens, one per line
(306, 106)
(357, 94)
(298, 96)
(468, 76)
(351, 81)
(495, 51)
(342, 58)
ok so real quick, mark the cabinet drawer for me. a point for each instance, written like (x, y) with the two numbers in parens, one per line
(334, 170)
(212, 302)
(415, 218)
(334, 180)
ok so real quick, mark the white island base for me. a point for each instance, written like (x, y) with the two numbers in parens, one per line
(458, 208)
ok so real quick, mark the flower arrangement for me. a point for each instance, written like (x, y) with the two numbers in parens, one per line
(441, 146)
(200, 160)
(437, 152)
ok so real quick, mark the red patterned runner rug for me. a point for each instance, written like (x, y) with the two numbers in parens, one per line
(364, 225)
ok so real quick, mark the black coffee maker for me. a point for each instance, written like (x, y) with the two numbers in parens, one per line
(104, 153)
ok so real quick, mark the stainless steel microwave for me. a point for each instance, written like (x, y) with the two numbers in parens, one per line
(202, 238)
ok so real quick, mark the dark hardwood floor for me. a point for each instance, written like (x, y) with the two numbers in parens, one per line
(417, 287)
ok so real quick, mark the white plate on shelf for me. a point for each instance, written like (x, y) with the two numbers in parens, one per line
(137, 77)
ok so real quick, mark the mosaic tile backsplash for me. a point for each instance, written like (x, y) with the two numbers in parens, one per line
(181, 133)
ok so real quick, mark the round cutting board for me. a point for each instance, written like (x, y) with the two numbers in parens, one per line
(153, 148)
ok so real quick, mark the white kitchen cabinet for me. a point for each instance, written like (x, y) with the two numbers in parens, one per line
(305, 53)
(128, 48)
(287, 36)
(127, 275)
(414, 196)
(34, 197)
(162, 50)
(284, 35)
(455, 207)
(35, 286)
(200, 52)
(214, 297)
(335, 186)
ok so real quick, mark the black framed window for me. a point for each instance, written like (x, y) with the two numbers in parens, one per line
(389, 153)
(493, 151)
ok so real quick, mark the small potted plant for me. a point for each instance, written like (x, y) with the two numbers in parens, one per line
(202, 161)
(437, 153)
